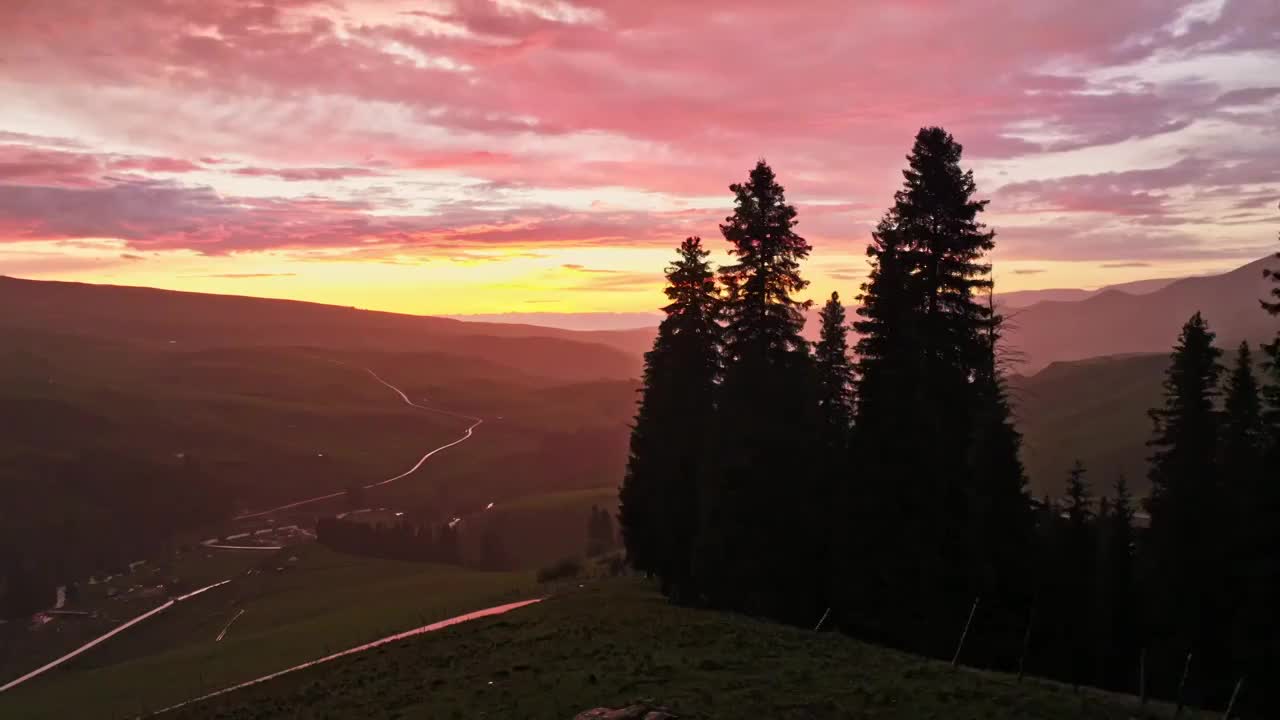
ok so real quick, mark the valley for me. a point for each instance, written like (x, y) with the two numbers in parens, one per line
(204, 440)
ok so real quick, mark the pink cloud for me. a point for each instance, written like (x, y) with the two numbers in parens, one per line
(307, 174)
(663, 96)
(39, 161)
(154, 164)
(46, 167)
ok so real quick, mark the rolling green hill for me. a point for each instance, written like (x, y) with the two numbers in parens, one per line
(615, 642)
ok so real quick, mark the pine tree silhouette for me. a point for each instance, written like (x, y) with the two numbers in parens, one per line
(945, 488)
(1187, 504)
(1117, 638)
(1253, 506)
(1258, 619)
(658, 511)
(834, 373)
(761, 531)
(1243, 434)
(1078, 554)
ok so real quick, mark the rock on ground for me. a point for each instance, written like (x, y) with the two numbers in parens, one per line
(641, 711)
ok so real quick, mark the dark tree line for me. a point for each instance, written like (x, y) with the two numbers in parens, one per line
(780, 478)
(400, 541)
(115, 508)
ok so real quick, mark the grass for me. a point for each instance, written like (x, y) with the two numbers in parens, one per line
(605, 497)
(615, 641)
(325, 602)
(538, 529)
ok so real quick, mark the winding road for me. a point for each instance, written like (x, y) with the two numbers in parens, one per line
(466, 435)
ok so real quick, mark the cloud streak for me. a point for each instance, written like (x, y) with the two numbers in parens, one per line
(1099, 132)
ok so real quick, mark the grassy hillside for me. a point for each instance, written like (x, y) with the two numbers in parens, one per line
(321, 603)
(616, 641)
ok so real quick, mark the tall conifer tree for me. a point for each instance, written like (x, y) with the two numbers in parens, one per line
(1077, 565)
(1117, 591)
(934, 433)
(1257, 629)
(834, 373)
(1186, 503)
(1243, 435)
(659, 495)
(760, 540)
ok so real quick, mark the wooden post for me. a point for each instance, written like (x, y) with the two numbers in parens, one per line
(955, 659)
(1142, 676)
(1026, 644)
(818, 627)
(1182, 684)
(1232, 704)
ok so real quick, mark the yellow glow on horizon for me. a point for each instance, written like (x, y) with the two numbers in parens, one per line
(505, 280)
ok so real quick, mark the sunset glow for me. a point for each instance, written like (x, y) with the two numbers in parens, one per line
(545, 155)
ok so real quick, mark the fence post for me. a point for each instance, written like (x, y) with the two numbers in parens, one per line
(1142, 676)
(1026, 643)
(818, 627)
(1182, 684)
(1232, 704)
(955, 659)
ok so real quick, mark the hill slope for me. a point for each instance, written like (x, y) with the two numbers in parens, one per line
(196, 320)
(615, 642)
(1093, 410)
(1116, 322)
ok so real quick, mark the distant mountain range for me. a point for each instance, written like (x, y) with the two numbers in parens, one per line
(1118, 321)
(1044, 326)
(1024, 298)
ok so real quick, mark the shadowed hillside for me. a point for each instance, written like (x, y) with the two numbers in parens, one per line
(1091, 410)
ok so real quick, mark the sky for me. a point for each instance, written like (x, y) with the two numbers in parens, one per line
(501, 156)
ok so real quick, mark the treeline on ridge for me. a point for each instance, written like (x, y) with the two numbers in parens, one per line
(395, 541)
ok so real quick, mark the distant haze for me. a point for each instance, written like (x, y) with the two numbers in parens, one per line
(570, 321)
